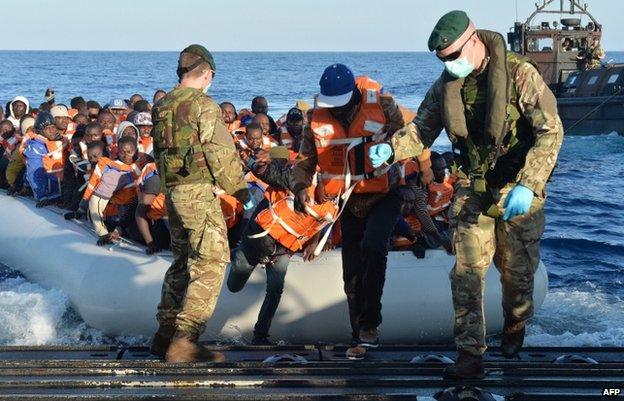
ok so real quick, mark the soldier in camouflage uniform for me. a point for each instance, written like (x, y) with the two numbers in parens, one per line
(194, 152)
(502, 120)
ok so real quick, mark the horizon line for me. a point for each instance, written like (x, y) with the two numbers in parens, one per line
(217, 51)
(232, 51)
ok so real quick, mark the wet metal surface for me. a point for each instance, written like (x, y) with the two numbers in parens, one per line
(302, 373)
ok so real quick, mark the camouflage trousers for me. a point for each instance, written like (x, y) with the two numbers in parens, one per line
(200, 255)
(478, 239)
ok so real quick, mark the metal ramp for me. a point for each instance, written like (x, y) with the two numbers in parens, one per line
(306, 372)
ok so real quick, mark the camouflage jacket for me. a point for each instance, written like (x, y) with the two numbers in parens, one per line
(192, 143)
(539, 111)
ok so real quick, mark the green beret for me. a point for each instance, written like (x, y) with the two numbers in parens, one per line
(202, 52)
(279, 152)
(448, 29)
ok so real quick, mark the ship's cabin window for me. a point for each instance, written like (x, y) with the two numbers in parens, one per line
(592, 80)
(544, 44)
(613, 78)
(569, 45)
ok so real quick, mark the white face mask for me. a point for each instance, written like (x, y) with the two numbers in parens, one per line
(459, 68)
(207, 87)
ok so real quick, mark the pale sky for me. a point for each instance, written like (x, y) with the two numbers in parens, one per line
(261, 25)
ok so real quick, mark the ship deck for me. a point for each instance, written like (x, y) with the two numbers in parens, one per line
(305, 372)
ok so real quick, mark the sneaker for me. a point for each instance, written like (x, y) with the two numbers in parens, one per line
(369, 338)
(356, 353)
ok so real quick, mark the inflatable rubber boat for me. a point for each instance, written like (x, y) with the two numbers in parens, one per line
(116, 289)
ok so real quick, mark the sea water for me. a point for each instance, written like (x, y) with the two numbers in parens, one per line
(583, 246)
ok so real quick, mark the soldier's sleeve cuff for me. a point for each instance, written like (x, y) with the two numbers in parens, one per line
(534, 185)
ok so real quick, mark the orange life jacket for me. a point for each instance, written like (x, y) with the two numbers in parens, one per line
(146, 145)
(343, 155)
(440, 197)
(231, 208)
(412, 166)
(124, 195)
(157, 209)
(53, 160)
(402, 242)
(288, 227)
(70, 131)
(364, 82)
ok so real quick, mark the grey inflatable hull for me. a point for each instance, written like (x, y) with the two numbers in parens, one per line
(117, 289)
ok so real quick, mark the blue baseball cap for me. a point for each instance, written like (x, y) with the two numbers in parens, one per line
(337, 86)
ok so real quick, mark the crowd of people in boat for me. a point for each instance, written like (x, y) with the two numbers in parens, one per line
(97, 163)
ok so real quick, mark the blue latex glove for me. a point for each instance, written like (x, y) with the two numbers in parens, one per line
(250, 204)
(379, 154)
(518, 202)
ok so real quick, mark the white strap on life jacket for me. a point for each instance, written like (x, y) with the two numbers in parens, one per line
(325, 220)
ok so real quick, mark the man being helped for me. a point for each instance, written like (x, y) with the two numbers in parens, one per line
(346, 122)
(274, 233)
(193, 152)
(424, 225)
(501, 116)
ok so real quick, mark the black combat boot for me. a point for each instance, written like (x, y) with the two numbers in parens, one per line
(161, 341)
(468, 366)
(512, 339)
(184, 348)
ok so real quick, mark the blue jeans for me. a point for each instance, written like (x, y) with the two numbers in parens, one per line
(251, 253)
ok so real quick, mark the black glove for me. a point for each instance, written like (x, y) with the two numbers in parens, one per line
(70, 215)
(302, 198)
(152, 248)
(12, 191)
